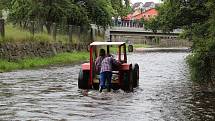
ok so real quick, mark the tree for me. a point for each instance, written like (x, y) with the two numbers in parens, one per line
(120, 9)
(78, 12)
(4, 5)
(100, 12)
(197, 18)
(152, 24)
(177, 14)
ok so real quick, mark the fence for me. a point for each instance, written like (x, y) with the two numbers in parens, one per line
(2, 28)
(59, 31)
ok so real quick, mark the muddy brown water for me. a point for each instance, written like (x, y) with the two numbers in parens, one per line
(165, 94)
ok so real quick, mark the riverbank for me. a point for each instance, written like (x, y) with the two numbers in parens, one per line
(38, 62)
(182, 49)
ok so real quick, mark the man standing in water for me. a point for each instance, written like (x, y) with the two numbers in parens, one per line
(106, 72)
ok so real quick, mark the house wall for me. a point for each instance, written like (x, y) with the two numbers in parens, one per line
(147, 15)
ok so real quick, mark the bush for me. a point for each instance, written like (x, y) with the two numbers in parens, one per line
(199, 61)
(199, 68)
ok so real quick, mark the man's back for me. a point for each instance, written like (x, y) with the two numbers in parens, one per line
(107, 64)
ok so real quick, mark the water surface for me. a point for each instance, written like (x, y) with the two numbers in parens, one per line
(165, 94)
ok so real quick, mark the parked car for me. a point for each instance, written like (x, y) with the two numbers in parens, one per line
(125, 77)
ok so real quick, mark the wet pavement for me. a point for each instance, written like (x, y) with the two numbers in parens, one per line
(165, 94)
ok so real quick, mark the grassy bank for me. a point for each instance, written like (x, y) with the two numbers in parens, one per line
(141, 46)
(29, 63)
(14, 33)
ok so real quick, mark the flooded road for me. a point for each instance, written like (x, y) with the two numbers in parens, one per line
(165, 94)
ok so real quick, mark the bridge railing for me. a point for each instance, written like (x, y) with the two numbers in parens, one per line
(131, 24)
(127, 23)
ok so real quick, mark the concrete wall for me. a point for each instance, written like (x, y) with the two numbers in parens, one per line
(155, 42)
(16, 51)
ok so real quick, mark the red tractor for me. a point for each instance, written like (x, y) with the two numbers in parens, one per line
(125, 77)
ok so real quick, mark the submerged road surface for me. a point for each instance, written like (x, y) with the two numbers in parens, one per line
(165, 94)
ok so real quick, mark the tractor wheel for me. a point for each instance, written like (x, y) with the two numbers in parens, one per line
(135, 75)
(127, 81)
(83, 79)
(130, 48)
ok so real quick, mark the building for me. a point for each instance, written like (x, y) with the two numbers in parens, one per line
(146, 15)
(137, 6)
(150, 13)
(146, 12)
(148, 5)
(141, 10)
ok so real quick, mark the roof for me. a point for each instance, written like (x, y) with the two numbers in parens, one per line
(137, 4)
(107, 43)
(148, 4)
(152, 12)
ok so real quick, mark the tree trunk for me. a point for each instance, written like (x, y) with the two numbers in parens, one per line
(48, 27)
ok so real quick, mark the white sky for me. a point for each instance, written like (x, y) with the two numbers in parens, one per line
(143, 1)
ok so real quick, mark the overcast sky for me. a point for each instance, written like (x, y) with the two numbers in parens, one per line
(143, 1)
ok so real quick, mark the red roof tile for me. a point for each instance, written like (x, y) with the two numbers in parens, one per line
(147, 14)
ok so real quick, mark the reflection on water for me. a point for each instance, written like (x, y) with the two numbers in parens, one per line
(165, 94)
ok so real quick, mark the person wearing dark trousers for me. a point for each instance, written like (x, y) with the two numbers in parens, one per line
(106, 72)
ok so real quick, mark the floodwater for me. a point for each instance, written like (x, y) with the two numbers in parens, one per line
(165, 93)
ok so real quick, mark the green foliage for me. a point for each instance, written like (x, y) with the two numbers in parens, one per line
(197, 18)
(120, 9)
(4, 4)
(28, 63)
(199, 67)
(152, 24)
(178, 14)
(8, 66)
(76, 12)
(101, 11)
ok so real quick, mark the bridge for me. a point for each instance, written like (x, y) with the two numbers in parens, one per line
(134, 31)
(140, 35)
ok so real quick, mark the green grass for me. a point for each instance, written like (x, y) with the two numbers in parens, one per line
(141, 46)
(114, 49)
(17, 34)
(29, 63)
(8, 66)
